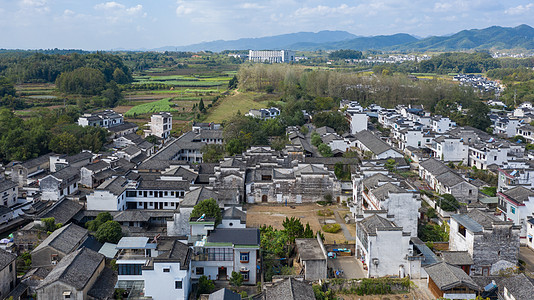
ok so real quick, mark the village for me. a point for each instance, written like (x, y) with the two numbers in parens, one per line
(398, 176)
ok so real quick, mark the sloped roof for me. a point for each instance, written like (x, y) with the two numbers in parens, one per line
(234, 213)
(520, 286)
(6, 258)
(450, 179)
(224, 294)
(434, 166)
(179, 252)
(447, 276)
(290, 289)
(116, 185)
(192, 198)
(64, 239)
(104, 286)
(62, 211)
(6, 185)
(519, 194)
(372, 142)
(374, 222)
(75, 269)
(96, 166)
(457, 258)
(372, 181)
(384, 190)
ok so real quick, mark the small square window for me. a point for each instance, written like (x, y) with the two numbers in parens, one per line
(166, 270)
(178, 285)
(244, 257)
(199, 270)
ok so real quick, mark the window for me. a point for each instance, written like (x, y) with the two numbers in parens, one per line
(131, 193)
(166, 270)
(243, 257)
(199, 271)
(461, 230)
(10, 268)
(513, 210)
(178, 285)
(245, 275)
(130, 269)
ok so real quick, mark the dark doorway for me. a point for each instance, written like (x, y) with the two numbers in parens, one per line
(264, 198)
(222, 273)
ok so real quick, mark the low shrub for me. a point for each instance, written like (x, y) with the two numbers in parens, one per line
(332, 228)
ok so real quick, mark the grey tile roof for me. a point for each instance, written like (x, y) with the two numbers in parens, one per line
(434, 166)
(224, 294)
(62, 211)
(290, 289)
(450, 179)
(75, 269)
(179, 252)
(131, 150)
(43, 159)
(468, 223)
(447, 276)
(324, 130)
(519, 194)
(429, 256)
(163, 185)
(372, 142)
(374, 222)
(309, 249)
(65, 239)
(97, 166)
(104, 286)
(372, 181)
(79, 157)
(458, 258)
(192, 198)
(6, 185)
(235, 213)
(122, 127)
(116, 185)
(67, 174)
(519, 286)
(6, 258)
(383, 191)
(236, 236)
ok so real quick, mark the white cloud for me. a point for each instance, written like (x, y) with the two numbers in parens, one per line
(183, 10)
(68, 12)
(519, 10)
(109, 6)
(251, 6)
(34, 5)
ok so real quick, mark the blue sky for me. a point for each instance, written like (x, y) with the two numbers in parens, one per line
(134, 24)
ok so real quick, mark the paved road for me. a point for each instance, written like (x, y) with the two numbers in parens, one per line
(526, 254)
(344, 228)
(351, 267)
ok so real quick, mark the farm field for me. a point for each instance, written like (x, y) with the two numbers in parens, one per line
(238, 101)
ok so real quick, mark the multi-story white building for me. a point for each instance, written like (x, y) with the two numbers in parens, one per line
(160, 125)
(8, 272)
(517, 205)
(160, 267)
(526, 131)
(271, 56)
(224, 251)
(106, 119)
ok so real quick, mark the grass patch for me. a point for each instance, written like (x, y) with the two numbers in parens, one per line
(229, 106)
(332, 228)
(325, 212)
(152, 107)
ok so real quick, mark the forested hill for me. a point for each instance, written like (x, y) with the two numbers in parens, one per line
(494, 37)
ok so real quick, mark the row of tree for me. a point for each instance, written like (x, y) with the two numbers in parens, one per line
(46, 131)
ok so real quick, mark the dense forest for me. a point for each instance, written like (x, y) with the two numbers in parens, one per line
(46, 131)
(300, 87)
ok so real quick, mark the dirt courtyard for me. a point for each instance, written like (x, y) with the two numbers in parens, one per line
(275, 214)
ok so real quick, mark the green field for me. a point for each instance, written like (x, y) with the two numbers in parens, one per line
(184, 81)
(152, 107)
(230, 105)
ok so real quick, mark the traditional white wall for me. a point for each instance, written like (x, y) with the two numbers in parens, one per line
(161, 285)
(104, 200)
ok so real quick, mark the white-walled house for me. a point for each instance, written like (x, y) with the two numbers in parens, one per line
(449, 148)
(8, 192)
(109, 196)
(530, 233)
(168, 275)
(384, 247)
(367, 142)
(60, 184)
(517, 205)
(225, 250)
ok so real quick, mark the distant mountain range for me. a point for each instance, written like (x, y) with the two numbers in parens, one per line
(494, 37)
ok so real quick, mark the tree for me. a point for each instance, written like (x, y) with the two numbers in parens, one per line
(236, 279)
(212, 153)
(100, 219)
(293, 228)
(6, 87)
(64, 143)
(209, 208)
(308, 232)
(205, 286)
(120, 77)
(85, 81)
(50, 224)
(112, 94)
(232, 84)
(201, 107)
(449, 203)
(391, 165)
(110, 232)
(325, 150)
(316, 139)
(235, 146)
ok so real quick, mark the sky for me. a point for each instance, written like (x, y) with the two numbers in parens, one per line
(138, 24)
